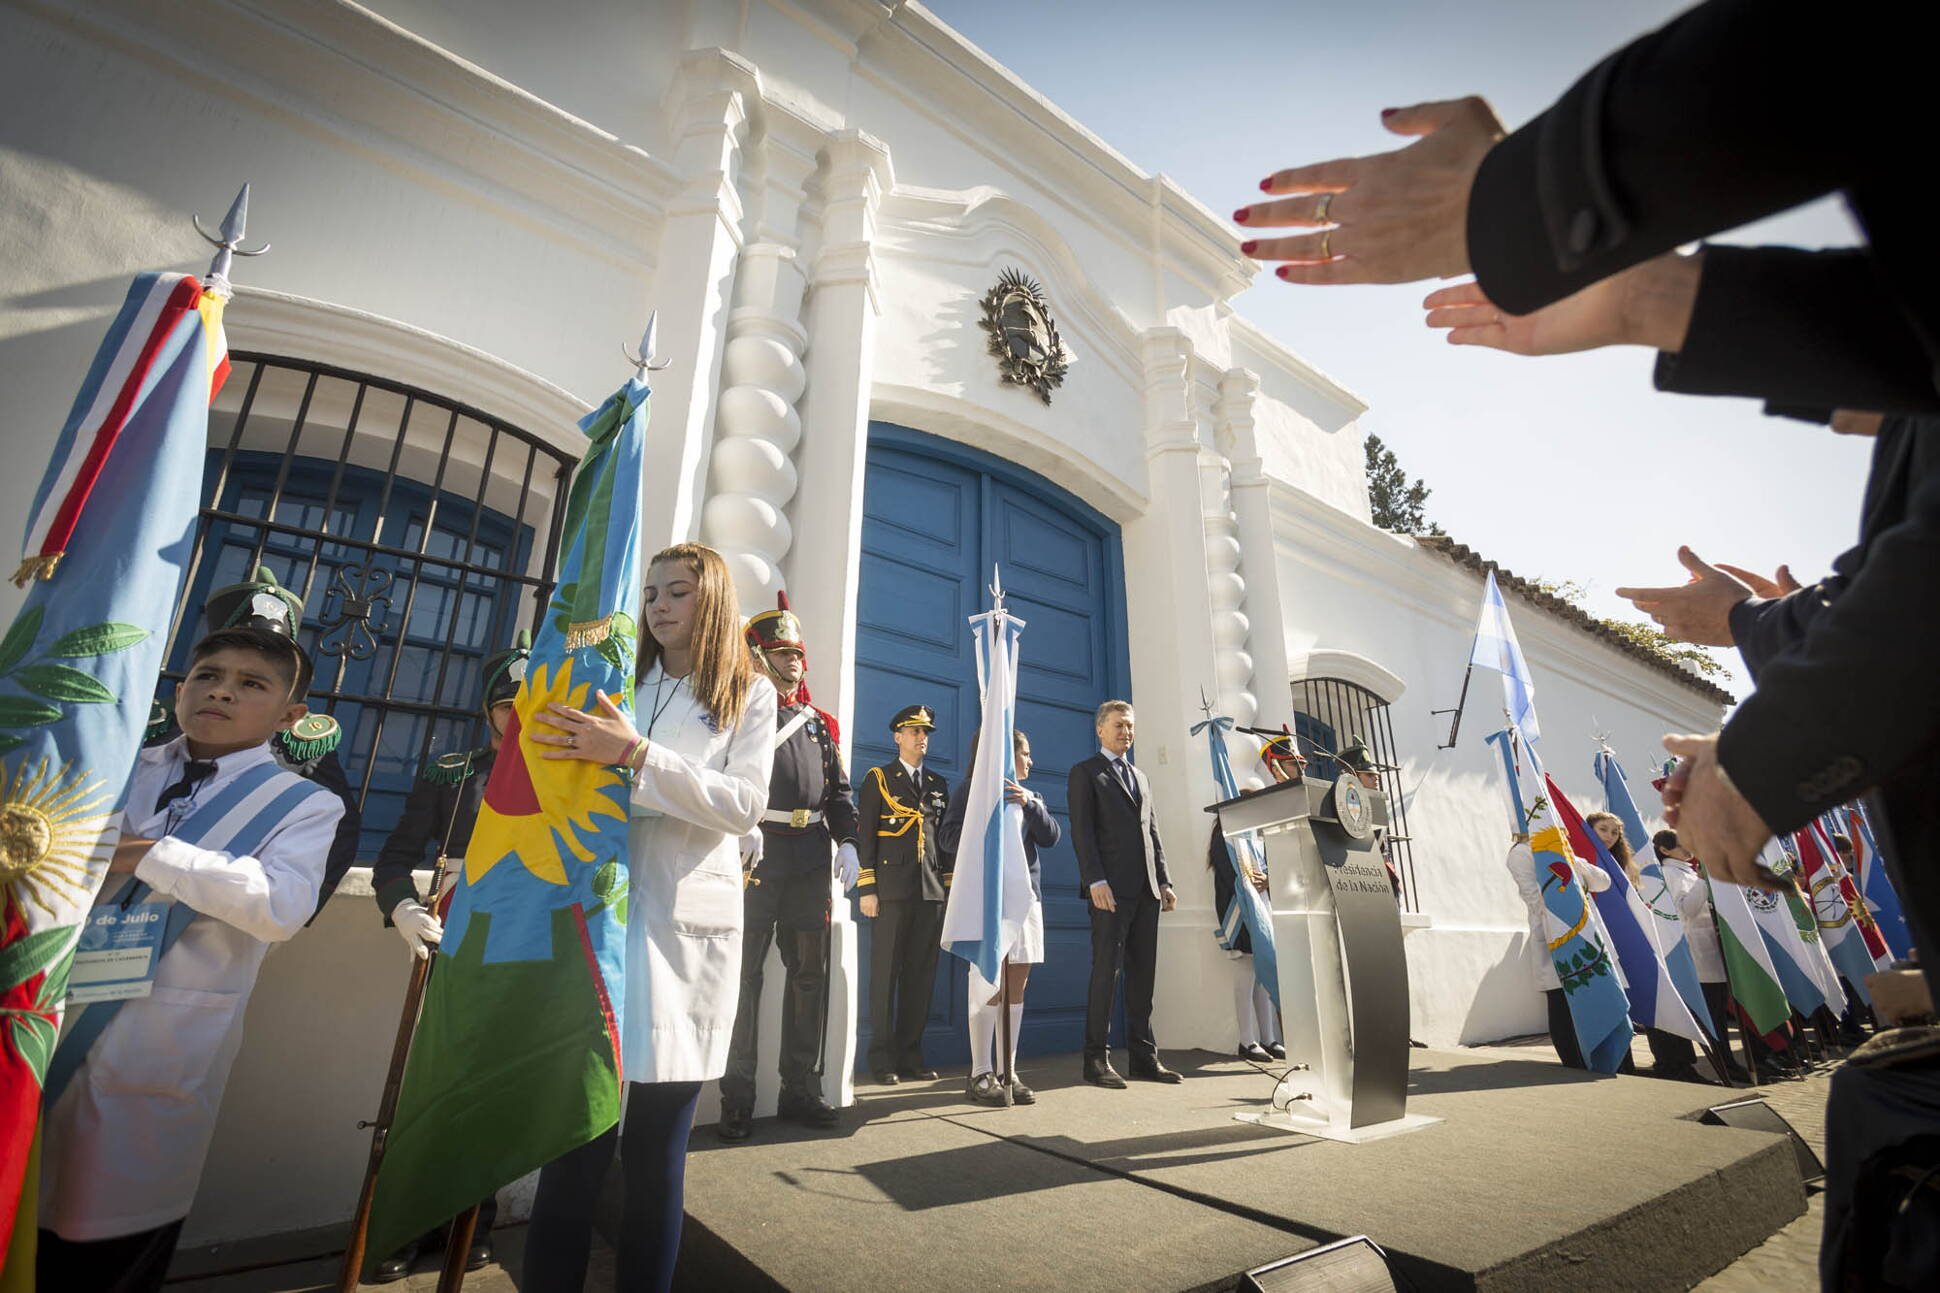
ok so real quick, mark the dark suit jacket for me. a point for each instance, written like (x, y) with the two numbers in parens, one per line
(898, 857)
(1706, 124)
(1848, 699)
(1112, 836)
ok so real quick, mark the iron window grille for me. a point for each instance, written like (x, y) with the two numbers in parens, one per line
(1328, 714)
(421, 534)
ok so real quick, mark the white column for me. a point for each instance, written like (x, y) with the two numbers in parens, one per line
(1258, 565)
(713, 97)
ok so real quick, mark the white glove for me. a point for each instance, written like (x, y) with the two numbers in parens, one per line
(752, 845)
(847, 866)
(419, 929)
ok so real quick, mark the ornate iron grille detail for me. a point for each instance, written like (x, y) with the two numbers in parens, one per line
(1330, 713)
(420, 532)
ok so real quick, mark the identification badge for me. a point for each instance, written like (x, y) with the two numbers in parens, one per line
(118, 952)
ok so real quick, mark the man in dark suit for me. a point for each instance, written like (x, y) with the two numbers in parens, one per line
(1121, 863)
(902, 879)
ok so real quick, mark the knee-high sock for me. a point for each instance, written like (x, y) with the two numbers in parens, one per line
(1264, 1012)
(1243, 1008)
(983, 1023)
(1016, 1027)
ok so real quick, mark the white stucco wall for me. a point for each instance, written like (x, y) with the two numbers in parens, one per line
(815, 195)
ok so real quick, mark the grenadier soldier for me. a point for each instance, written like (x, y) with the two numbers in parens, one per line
(903, 881)
(437, 820)
(786, 894)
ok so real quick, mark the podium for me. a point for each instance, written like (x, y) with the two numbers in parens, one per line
(1343, 974)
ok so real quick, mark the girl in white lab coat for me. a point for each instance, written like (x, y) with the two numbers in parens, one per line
(700, 745)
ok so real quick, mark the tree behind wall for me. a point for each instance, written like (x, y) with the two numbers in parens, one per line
(1397, 503)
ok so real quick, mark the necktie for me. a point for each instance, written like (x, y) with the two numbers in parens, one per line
(1125, 776)
(193, 774)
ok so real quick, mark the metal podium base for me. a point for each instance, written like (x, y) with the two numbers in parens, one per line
(1274, 1120)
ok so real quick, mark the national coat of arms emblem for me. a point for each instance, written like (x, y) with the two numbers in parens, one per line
(1023, 336)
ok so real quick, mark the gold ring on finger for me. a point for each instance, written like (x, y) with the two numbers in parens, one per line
(572, 742)
(1326, 204)
(1326, 236)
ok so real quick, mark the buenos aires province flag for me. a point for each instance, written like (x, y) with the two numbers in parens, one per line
(517, 1053)
(990, 894)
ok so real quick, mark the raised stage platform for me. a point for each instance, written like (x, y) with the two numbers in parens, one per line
(1537, 1177)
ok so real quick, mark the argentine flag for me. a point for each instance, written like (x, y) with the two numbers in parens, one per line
(1666, 927)
(1496, 648)
(990, 896)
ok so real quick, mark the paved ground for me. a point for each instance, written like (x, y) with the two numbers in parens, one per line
(1785, 1263)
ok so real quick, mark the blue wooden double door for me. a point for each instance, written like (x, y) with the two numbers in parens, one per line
(937, 517)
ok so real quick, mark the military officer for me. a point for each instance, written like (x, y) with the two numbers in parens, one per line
(438, 816)
(786, 896)
(902, 882)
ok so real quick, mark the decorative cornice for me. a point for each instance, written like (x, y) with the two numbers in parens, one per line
(297, 327)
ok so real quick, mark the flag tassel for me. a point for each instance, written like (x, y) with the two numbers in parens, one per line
(37, 567)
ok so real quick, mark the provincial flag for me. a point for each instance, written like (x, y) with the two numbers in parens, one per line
(1666, 925)
(1842, 936)
(990, 894)
(1748, 963)
(1882, 900)
(1796, 962)
(516, 1059)
(1599, 1008)
(1654, 1001)
(1249, 909)
(107, 541)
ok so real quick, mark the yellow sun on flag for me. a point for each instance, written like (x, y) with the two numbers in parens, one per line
(50, 830)
(539, 804)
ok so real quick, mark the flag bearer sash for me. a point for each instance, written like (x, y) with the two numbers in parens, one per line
(128, 1139)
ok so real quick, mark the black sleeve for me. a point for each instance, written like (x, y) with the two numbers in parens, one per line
(404, 849)
(1083, 810)
(329, 773)
(1816, 329)
(1857, 697)
(838, 799)
(868, 845)
(951, 830)
(1040, 827)
(1736, 109)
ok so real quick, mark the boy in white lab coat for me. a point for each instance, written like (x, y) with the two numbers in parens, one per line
(232, 849)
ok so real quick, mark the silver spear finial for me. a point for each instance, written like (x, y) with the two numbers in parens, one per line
(643, 362)
(229, 245)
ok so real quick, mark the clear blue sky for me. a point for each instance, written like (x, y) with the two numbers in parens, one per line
(1560, 468)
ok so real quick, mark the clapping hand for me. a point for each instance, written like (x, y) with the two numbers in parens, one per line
(1696, 611)
(1396, 217)
(1711, 817)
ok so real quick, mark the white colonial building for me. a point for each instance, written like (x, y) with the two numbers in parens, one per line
(475, 203)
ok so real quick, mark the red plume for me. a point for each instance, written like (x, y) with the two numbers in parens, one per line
(781, 599)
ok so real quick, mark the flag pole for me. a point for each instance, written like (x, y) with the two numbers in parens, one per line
(451, 1277)
(407, 1025)
(1455, 724)
(1003, 965)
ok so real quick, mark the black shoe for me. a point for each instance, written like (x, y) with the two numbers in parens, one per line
(1099, 1072)
(1255, 1052)
(808, 1108)
(479, 1257)
(986, 1089)
(737, 1123)
(1153, 1071)
(917, 1073)
(396, 1266)
(885, 1079)
(1019, 1093)
(1276, 1050)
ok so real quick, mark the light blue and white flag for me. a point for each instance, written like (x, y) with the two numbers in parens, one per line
(1496, 648)
(1248, 910)
(1875, 885)
(990, 894)
(1665, 925)
(1795, 963)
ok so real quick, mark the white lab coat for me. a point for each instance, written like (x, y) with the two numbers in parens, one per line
(1688, 890)
(1522, 867)
(700, 790)
(124, 1146)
